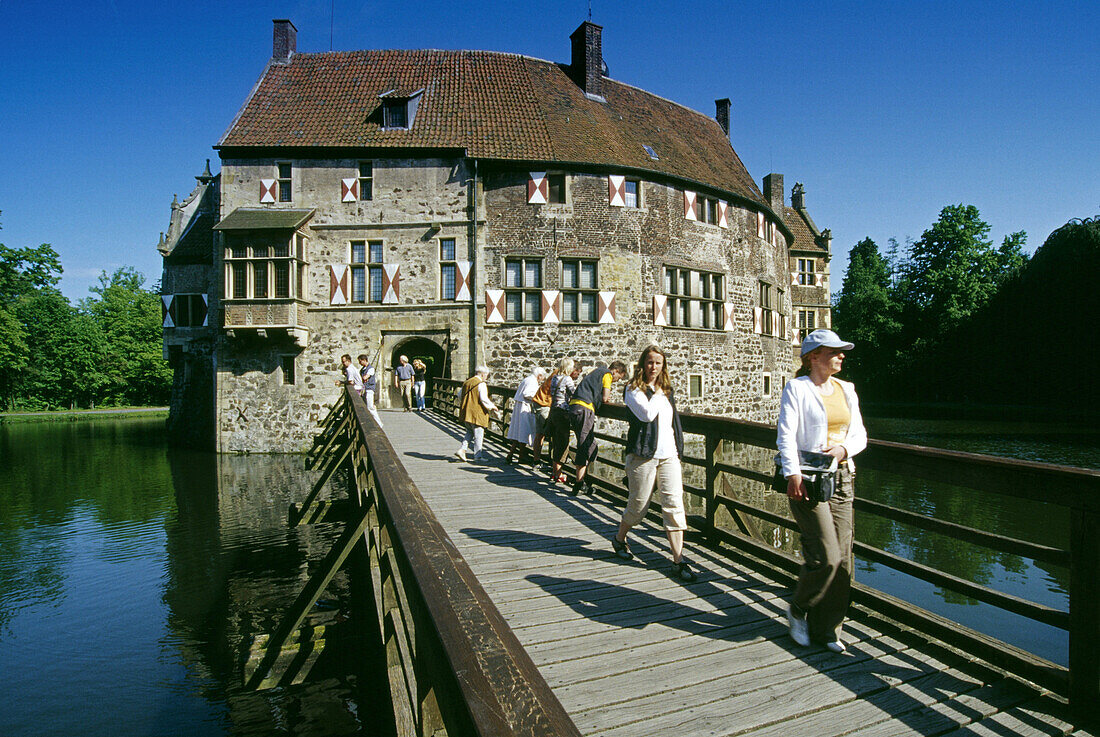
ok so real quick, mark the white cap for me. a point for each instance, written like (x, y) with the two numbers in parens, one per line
(824, 338)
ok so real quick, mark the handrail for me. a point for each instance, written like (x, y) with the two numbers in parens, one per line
(1075, 489)
(468, 672)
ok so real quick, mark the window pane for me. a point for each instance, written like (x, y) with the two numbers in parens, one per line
(533, 274)
(717, 318)
(376, 252)
(259, 279)
(366, 169)
(285, 170)
(588, 275)
(240, 281)
(260, 251)
(532, 304)
(569, 307)
(375, 284)
(695, 385)
(685, 283)
(631, 198)
(588, 308)
(706, 284)
(513, 273)
(282, 279)
(569, 275)
(685, 312)
(395, 115)
(670, 281)
(705, 315)
(358, 252)
(557, 188)
(718, 292)
(238, 251)
(513, 308)
(301, 247)
(281, 250)
(712, 211)
(358, 284)
(284, 190)
(447, 249)
(447, 281)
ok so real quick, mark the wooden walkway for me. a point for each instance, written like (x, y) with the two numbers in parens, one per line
(629, 650)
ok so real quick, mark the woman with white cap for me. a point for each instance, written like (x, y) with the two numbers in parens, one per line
(819, 412)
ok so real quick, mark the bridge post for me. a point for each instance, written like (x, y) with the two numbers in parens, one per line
(714, 444)
(1084, 615)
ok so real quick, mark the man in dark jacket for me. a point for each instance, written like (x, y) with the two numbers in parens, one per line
(593, 391)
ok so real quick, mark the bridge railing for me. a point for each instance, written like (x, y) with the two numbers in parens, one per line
(455, 667)
(729, 515)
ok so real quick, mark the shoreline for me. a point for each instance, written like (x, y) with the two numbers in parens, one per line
(76, 415)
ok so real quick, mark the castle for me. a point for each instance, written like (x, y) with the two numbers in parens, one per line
(473, 207)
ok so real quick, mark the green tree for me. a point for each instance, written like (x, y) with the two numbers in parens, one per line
(865, 312)
(129, 317)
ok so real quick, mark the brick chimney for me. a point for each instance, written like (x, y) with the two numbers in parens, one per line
(722, 114)
(284, 41)
(586, 66)
(773, 192)
(798, 196)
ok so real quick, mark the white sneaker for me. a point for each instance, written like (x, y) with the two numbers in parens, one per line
(799, 628)
(837, 646)
(461, 453)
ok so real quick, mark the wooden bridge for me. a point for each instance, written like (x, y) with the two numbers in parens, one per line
(502, 611)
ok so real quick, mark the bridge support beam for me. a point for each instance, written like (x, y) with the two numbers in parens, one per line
(1084, 618)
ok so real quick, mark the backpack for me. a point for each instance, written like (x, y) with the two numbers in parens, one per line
(545, 395)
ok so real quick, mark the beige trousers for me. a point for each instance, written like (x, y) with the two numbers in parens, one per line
(642, 474)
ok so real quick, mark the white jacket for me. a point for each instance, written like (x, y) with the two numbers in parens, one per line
(803, 424)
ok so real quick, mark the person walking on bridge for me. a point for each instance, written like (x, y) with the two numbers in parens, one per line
(523, 425)
(403, 380)
(563, 384)
(591, 393)
(351, 375)
(474, 408)
(820, 413)
(370, 386)
(654, 444)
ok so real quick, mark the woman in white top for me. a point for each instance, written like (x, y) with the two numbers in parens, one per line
(819, 412)
(521, 429)
(654, 444)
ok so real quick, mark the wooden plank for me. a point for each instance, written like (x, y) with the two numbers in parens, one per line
(1034, 718)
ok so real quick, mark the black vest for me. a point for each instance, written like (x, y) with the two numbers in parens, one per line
(641, 437)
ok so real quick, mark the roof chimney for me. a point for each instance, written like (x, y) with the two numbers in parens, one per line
(285, 40)
(586, 66)
(798, 197)
(722, 114)
(773, 192)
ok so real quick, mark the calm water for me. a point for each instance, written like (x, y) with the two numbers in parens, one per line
(132, 577)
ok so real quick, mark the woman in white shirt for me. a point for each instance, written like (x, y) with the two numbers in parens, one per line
(819, 412)
(654, 444)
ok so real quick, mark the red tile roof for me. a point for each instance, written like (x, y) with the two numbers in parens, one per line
(804, 237)
(492, 105)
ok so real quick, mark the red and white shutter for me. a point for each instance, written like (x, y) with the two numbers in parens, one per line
(462, 281)
(338, 285)
(605, 307)
(538, 188)
(616, 190)
(689, 205)
(660, 310)
(723, 216)
(267, 190)
(727, 316)
(757, 320)
(794, 278)
(349, 190)
(494, 305)
(551, 305)
(819, 279)
(391, 284)
(205, 310)
(761, 227)
(166, 311)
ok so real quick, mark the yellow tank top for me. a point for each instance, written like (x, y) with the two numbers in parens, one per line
(838, 414)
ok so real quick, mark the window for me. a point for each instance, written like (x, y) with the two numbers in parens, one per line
(806, 268)
(650, 152)
(366, 271)
(556, 184)
(695, 386)
(286, 193)
(632, 191)
(366, 180)
(523, 290)
(807, 322)
(771, 302)
(287, 365)
(694, 298)
(265, 269)
(187, 310)
(447, 268)
(706, 209)
(395, 113)
(767, 387)
(579, 289)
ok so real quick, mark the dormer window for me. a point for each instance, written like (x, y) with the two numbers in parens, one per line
(399, 109)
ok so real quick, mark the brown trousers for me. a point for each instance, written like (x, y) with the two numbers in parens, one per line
(825, 578)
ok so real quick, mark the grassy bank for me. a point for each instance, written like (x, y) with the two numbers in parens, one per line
(77, 415)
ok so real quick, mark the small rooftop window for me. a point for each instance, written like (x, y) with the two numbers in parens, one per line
(399, 108)
(650, 152)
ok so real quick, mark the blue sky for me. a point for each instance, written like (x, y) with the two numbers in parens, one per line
(886, 111)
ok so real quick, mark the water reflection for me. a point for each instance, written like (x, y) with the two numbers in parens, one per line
(131, 578)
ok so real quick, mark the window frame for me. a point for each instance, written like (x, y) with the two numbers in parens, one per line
(587, 298)
(638, 200)
(289, 377)
(444, 263)
(389, 107)
(807, 277)
(259, 251)
(177, 310)
(692, 392)
(366, 183)
(706, 209)
(766, 385)
(369, 267)
(526, 294)
(559, 181)
(284, 181)
(710, 300)
(805, 327)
